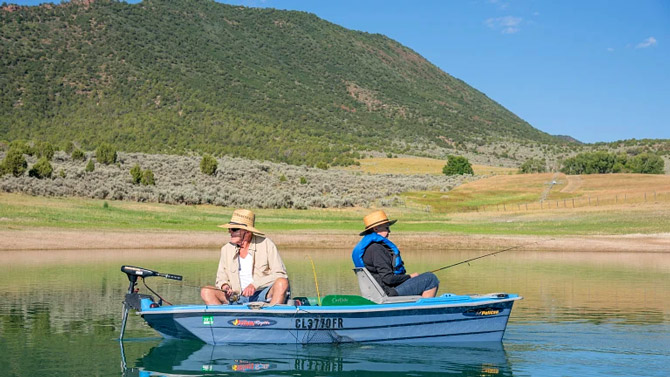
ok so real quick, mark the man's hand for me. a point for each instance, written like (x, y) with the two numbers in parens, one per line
(226, 290)
(413, 274)
(249, 290)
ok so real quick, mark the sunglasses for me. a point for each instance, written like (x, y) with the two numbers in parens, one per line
(233, 230)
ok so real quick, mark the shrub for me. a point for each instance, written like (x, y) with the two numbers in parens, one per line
(303, 180)
(90, 166)
(136, 173)
(646, 163)
(41, 169)
(21, 146)
(69, 147)
(599, 162)
(78, 154)
(179, 183)
(533, 165)
(44, 149)
(105, 154)
(457, 165)
(148, 178)
(322, 165)
(208, 165)
(14, 162)
(282, 178)
(602, 162)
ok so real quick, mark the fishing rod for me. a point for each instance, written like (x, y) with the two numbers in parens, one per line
(489, 254)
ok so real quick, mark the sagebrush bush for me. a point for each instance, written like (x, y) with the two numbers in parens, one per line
(533, 165)
(237, 182)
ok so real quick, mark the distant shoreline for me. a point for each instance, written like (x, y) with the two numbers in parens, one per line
(59, 239)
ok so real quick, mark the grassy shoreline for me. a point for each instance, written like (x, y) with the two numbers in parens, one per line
(23, 212)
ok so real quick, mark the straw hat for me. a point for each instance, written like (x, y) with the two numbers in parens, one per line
(374, 219)
(242, 219)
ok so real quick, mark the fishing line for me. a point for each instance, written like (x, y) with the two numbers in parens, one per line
(154, 292)
(489, 254)
(316, 282)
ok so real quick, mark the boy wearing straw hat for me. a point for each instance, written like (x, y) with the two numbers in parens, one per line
(250, 268)
(382, 258)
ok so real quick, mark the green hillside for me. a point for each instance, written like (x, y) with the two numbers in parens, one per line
(175, 76)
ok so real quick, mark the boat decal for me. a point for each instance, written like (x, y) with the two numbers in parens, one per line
(207, 320)
(244, 366)
(252, 322)
(483, 312)
(319, 323)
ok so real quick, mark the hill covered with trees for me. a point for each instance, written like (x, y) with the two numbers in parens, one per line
(182, 76)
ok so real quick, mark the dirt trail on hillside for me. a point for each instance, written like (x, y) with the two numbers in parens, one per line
(96, 240)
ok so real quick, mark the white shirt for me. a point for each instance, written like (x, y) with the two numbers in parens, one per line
(246, 270)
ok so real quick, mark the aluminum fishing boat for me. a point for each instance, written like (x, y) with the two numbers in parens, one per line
(370, 318)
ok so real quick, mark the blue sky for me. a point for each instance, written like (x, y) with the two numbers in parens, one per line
(597, 70)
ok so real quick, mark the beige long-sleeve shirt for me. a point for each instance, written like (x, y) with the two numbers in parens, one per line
(267, 266)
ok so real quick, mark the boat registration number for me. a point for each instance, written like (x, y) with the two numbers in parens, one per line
(318, 323)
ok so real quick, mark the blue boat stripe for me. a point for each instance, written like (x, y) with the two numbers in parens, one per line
(360, 328)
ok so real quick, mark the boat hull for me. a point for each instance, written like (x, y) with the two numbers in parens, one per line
(446, 319)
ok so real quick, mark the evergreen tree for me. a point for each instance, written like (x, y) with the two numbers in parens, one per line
(44, 149)
(148, 178)
(208, 165)
(14, 163)
(105, 154)
(69, 147)
(78, 154)
(41, 169)
(90, 166)
(136, 174)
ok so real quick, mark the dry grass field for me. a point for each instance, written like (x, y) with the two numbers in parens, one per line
(418, 165)
(546, 191)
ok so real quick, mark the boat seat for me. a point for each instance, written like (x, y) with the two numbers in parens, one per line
(371, 290)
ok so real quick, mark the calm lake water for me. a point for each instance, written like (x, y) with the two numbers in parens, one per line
(584, 314)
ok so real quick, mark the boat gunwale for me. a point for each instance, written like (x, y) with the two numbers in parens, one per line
(284, 309)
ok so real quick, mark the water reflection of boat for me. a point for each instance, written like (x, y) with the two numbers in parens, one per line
(195, 358)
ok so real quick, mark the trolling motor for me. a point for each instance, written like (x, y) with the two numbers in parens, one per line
(133, 299)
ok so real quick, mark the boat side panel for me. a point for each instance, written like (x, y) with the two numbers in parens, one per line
(479, 323)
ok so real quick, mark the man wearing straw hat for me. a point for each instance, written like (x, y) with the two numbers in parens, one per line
(382, 258)
(250, 268)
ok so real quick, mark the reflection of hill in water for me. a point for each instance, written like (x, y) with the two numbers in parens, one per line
(195, 358)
